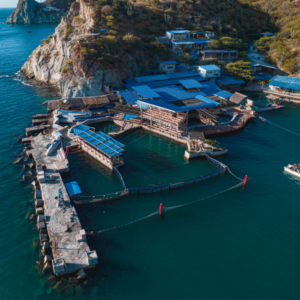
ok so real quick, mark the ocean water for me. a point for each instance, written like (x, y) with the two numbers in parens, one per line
(242, 244)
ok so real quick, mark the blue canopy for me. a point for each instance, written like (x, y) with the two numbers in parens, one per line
(171, 62)
(223, 94)
(129, 96)
(73, 188)
(286, 82)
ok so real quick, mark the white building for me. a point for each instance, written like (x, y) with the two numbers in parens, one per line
(167, 66)
(210, 72)
(178, 34)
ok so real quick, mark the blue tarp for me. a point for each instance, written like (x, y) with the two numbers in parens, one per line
(145, 92)
(286, 82)
(73, 188)
(223, 94)
(128, 117)
(130, 96)
(228, 80)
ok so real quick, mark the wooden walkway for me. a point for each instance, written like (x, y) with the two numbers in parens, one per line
(232, 127)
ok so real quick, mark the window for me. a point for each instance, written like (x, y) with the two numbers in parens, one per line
(170, 67)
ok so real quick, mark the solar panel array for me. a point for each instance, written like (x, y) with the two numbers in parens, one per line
(102, 142)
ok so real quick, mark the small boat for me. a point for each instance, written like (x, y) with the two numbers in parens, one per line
(29, 31)
(293, 169)
(9, 25)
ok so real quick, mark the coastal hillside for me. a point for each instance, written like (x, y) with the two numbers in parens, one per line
(103, 42)
(282, 50)
(32, 12)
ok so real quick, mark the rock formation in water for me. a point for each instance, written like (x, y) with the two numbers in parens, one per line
(32, 12)
(80, 61)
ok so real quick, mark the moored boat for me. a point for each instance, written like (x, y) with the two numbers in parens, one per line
(293, 169)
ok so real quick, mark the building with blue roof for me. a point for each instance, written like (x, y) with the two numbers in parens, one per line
(178, 34)
(261, 67)
(229, 83)
(219, 54)
(99, 145)
(168, 66)
(210, 72)
(286, 84)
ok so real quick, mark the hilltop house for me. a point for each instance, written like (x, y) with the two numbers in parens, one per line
(210, 72)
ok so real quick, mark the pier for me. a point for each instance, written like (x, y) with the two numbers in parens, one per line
(57, 220)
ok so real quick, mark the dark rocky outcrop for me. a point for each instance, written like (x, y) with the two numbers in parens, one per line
(32, 12)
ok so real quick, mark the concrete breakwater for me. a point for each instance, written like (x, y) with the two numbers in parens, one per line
(57, 220)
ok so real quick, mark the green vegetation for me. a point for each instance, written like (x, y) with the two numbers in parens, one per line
(240, 69)
(46, 41)
(68, 30)
(226, 42)
(80, 20)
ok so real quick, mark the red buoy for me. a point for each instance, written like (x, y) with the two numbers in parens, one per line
(245, 180)
(161, 209)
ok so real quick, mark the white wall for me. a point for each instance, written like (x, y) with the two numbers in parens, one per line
(209, 74)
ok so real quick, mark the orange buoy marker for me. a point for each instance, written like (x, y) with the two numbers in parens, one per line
(245, 180)
(161, 209)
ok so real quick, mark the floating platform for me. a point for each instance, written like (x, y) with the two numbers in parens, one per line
(41, 116)
(39, 121)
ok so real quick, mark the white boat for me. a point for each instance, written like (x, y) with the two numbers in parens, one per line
(289, 169)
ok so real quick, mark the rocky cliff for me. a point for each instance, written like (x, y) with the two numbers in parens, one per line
(79, 61)
(32, 12)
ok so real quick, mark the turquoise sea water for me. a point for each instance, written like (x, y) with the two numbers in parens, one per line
(243, 244)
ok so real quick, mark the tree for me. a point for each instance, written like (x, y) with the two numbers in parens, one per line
(226, 42)
(263, 44)
(240, 69)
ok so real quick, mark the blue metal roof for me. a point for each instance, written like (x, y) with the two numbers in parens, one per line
(223, 94)
(129, 96)
(145, 92)
(210, 67)
(219, 51)
(286, 82)
(190, 42)
(191, 83)
(211, 88)
(179, 68)
(174, 92)
(174, 108)
(158, 77)
(100, 140)
(131, 82)
(258, 62)
(178, 31)
(171, 62)
(263, 76)
(73, 188)
(228, 80)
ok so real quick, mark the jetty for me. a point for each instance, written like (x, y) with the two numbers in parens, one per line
(57, 219)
